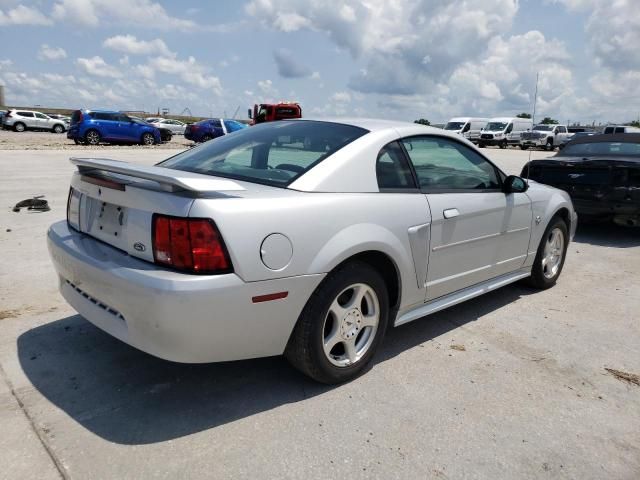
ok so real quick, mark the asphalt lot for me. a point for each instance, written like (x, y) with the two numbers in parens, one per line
(523, 394)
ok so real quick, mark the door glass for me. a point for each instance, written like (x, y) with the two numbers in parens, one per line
(445, 165)
(40, 115)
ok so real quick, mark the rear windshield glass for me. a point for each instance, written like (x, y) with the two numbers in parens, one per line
(274, 153)
(601, 148)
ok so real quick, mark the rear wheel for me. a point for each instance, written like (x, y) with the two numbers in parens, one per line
(147, 139)
(19, 127)
(551, 254)
(58, 129)
(92, 137)
(341, 326)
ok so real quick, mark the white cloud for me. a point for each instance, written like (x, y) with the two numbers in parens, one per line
(139, 13)
(98, 67)
(132, 46)
(23, 15)
(190, 71)
(340, 97)
(267, 89)
(51, 53)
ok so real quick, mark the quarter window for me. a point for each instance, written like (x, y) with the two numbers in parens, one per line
(444, 165)
(392, 169)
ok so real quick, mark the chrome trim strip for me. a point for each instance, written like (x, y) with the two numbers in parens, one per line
(476, 239)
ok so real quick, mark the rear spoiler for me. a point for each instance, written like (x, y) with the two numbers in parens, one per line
(169, 179)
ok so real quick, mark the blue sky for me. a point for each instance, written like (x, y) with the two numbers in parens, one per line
(402, 59)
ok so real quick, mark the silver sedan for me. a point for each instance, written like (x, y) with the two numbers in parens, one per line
(175, 126)
(305, 238)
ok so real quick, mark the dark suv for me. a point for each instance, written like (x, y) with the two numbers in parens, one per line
(95, 126)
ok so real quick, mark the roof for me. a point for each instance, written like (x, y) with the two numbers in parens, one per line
(371, 124)
(608, 137)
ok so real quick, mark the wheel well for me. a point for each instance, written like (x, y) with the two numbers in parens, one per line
(563, 213)
(387, 269)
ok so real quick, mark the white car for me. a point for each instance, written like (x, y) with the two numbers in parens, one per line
(504, 131)
(548, 137)
(302, 237)
(21, 120)
(175, 126)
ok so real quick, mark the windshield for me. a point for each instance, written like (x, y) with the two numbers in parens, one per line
(454, 125)
(273, 153)
(601, 148)
(543, 128)
(493, 126)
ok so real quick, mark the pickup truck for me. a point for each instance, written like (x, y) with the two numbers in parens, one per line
(546, 136)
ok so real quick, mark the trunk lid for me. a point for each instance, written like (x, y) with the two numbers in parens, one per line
(114, 202)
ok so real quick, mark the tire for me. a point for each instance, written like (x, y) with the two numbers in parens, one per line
(523, 147)
(57, 129)
(76, 141)
(319, 324)
(548, 265)
(206, 138)
(92, 137)
(147, 139)
(480, 145)
(549, 146)
(19, 127)
(503, 144)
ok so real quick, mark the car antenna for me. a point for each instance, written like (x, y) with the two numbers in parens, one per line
(533, 122)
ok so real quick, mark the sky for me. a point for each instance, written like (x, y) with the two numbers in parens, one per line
(397, 59)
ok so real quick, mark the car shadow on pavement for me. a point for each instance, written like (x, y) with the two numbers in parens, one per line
(607, 235)
(126, 396)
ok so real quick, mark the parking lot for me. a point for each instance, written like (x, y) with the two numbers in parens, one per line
(513, 384)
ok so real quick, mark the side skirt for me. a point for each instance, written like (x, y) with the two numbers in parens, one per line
(461, 296)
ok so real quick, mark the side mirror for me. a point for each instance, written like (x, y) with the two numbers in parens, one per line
(249, 113)
(514, 184)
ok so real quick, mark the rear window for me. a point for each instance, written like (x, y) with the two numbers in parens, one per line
(271, 153)
(601, 148)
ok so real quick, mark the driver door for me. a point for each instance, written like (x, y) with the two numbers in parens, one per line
(477, 231)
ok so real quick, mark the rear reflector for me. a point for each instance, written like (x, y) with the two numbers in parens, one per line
(189, 244)
(269, 297)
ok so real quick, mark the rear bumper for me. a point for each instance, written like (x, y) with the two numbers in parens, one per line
(174, 316)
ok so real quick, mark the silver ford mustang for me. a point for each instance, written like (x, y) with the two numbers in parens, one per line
(302, 237)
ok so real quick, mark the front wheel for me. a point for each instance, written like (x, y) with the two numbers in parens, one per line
(503, 144)
(58, 129)
(551, 254)
(480, 145)
(523, 147)
(342, 325)
(549, 146)
(147, 139)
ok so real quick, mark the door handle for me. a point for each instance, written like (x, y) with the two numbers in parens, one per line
(450, 213)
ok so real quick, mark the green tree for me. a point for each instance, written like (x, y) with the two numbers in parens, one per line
(422, 121)
(634, 123)
(549, 121)
(524, 115)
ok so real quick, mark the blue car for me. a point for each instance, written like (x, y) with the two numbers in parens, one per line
(211, 128)
(95, 126)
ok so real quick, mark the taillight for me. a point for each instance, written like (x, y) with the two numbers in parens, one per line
(189, 244)
(73, 208)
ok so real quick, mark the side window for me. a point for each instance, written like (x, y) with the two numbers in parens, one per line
(444, 165)
(41, 115)
(25, 114)
(392, 169)
(562, 129)
(509, 128)
(216, 124)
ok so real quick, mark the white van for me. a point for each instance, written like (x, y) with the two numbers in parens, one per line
(504, 131)
(621, 129)
(468, 127)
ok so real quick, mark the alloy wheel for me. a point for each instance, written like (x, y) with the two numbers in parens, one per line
(553, 251)
(350, 325)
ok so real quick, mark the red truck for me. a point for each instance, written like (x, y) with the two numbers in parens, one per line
(270, 112)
